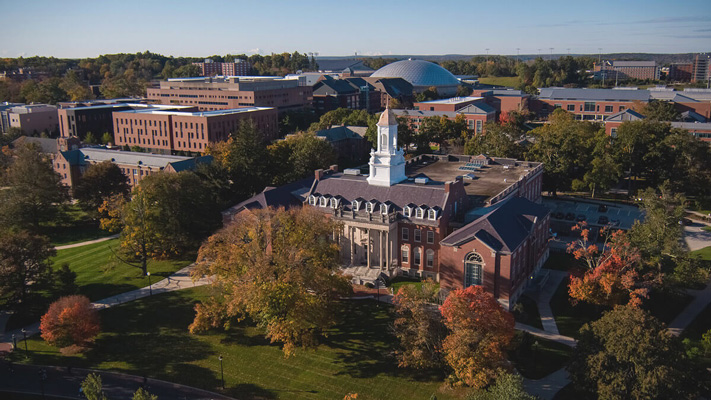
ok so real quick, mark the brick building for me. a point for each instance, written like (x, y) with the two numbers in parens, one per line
(475, 110)
(587, 104)
(700, 130)
(371, 94)
(237, 68)
(623, 70)
(681, 72)
(167, 130)
(222, 93)
(34, 118)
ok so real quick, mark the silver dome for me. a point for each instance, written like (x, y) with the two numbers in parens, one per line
(418, 73)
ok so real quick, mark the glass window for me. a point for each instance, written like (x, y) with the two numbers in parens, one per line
(473, 265)
(355, 205)
(369, 207)
(613, 132)
(408, 211)
(589, 106)
(430, 237)
(384, 209)
(417, 255)
(608, 108)
(479, 126)
(418, 235)
(432, 214)
(405, 234)
(323, 202)
(405, 254)
(334, 203)
(419, 213)
(623, 108)
(430, 258)
(571, 107)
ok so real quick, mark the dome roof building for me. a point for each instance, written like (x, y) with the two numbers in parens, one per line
(421, 74)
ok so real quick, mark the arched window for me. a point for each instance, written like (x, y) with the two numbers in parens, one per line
(473, 266)
(384, 209)
(432, 214)
(370, 207)
(312, 200)
(355, 205)
(408, 211)
(323, 202)
(383, 142)
(430, 258)
(419, 213)
(334, 203)
(417, 256)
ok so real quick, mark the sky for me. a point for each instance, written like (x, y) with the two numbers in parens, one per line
(76, 29)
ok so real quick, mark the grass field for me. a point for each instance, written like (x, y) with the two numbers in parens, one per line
(704, 253)
(149, 336)
(570, 318)
(75, 227)
(511, 81)
(98, 276)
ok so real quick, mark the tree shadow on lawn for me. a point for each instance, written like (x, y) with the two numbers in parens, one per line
(252, 391)
(364, 343)
(99, 291)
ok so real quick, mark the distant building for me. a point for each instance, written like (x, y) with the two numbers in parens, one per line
(5, 109)
(348, 142)
(475, 110)
(702, 68)
(237, 68)
(422, 75)
(222, 93)
(167, 129)
(624, 70)
(587, 104)
(700, 130)
(681, 72)
(504, 100)
(72, 164)
(34, 118)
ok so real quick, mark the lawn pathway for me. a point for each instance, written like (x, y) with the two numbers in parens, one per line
(547, 387)
(543, 299)
(179, 280)
(71, 246)
(702, 298)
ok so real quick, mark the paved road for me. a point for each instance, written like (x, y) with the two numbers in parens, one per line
(61, 383)
(696, 237)
(71, 246)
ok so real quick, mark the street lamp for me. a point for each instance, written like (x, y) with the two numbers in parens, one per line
(150, 287)
(24, 334)
(222, 373)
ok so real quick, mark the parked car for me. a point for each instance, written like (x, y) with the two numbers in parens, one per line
(570, 217)
(603, 220)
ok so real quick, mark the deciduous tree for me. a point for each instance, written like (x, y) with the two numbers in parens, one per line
(628, 354)
(24, 266)
(298, 156)
(92, 388)
(70, 321)
(506, 387)
(143, 394)
(418, 326)
(99, 182)
(278, 267)
(480, 331)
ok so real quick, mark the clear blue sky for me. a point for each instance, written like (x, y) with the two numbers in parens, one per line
(69, 28)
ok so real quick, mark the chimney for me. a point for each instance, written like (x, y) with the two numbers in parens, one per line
(334, 167)
(447, 187)
(319, 174)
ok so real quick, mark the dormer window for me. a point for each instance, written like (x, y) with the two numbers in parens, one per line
(313, 200)
(408, 211)
(384, 209)
(323, 202)
(432, 215)
(334, 203)
(355, 204)
(419, 213)
(370, 206)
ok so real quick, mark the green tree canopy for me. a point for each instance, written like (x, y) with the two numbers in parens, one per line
(298, 156)
(99, 182)
(24, 266)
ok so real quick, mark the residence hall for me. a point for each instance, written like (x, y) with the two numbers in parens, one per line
(700, 130)
(475, 110)
(33, 118)
(228, 92)
(170, 130)
(72, 164)
(461, 220)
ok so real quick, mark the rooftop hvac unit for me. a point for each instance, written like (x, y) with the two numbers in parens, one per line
(351, 171)
(421, 181)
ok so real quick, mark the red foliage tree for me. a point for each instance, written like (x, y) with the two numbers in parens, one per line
(611, 275)
(480, 331)
(70, 321)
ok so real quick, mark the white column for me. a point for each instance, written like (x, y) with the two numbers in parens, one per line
(380, 250)
(387, 251)
(369, 247)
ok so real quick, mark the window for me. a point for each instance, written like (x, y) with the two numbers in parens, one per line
(589, 106)
(418, 235)
(323, 202)
(408, 211)
(405, 254)
(473, 264)
(355, 205)
(430, 237)
(430, 258)
(432, 215)
(557, 105)
(384, 209)
(369, 207)
(623, 108)
(613, 132)
(383, 142)
(608, 109)
(334, 203)
(419, 213)
(417, 256)
(479, 126)
(405, 234)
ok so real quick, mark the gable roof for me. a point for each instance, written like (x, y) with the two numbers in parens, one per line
(394, 87)
(287, 196)
(503, 228)
(331, 87)
(46, 145)
(343, 132)
(477, 108)
(625, 115)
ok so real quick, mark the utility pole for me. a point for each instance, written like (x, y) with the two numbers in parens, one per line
(487, 56)
(551, 53)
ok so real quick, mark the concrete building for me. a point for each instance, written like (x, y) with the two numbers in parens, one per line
(5, 109)
(167, 129)
(624, 70)
(228, 92)
(702, 68)
(237, 68)
(34, 118)
(422, 75)
(72, 164)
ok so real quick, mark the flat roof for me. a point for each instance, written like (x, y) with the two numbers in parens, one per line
(132, 105)
(130, 157)
(451, 100)
(198, 113)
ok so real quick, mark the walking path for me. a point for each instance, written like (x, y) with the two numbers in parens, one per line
(60, 382)
(543, 299)
(702, 298)
(71, 246)
(549, 386)
(177, 281)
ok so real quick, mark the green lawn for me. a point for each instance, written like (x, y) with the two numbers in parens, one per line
(76, 226)
(149, 336)
(511, 81)
(529, 315)
(568, 317)
(98, 275)
(536, 358)
(707, 228)
(704, 253)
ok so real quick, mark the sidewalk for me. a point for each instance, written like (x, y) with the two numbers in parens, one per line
(177, 281)
(71, 246)
(543, 299)
(549, 386)
(702, 298)
(61, 383)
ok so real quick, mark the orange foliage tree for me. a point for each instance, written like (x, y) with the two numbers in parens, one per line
(480, 331)
(611, 275)
(70, 321)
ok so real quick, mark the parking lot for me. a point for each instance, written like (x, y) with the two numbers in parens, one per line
(566, 212)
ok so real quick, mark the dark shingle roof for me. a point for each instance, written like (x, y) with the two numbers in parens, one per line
(338, 133)
(477, 108)
(287, 196)
(333, 87)
(503, 228)
(46, 145)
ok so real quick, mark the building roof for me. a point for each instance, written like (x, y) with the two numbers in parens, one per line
(46, 145)
(425, 113)
(340, 64)
(333, 87)
(503, 228)
(197, 113)
(418, 72)
(634, 63)
(692, 116)
(343, 132)
(594, 94)
(625, 115)
(387, 118)
(160, 161)
(394, 87)
(692, 126)
(287, 196)
(451, 100)
(476, 108)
